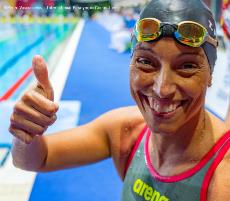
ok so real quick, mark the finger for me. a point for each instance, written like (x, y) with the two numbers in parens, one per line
(23, 124)
(21, 135)
(30, 113)
(40, 103)
(41, 74)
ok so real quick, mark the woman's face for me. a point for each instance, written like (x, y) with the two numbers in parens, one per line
(168, 82)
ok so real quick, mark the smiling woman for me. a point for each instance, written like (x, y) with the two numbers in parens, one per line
(168, 147)
(169, 85)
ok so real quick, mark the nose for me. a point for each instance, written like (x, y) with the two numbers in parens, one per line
(164, 85)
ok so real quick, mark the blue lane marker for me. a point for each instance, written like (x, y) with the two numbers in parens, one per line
(4, 153)
(10, 63)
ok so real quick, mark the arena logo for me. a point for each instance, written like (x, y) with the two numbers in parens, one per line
(147, 192)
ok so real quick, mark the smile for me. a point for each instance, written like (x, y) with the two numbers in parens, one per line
(164, 108)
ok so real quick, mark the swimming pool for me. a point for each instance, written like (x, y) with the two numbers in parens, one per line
(18, 44)
(84, 182)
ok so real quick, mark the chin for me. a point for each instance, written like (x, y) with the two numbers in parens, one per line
(164, 128)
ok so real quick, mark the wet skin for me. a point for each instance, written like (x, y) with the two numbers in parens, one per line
(168, 82)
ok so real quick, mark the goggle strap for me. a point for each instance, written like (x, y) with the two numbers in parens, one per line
(213, 41)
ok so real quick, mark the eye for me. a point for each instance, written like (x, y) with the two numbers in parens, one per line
(145, 64)
(188, 66)
(187, 69)
(143, 61)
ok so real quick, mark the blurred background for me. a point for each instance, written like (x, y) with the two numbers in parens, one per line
(86, 44)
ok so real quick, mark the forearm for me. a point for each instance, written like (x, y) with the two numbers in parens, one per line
(31, 156)
(73, 148)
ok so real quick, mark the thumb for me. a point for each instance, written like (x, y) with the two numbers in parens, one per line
(41, 74)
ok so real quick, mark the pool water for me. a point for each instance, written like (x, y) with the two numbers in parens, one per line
(20, 42)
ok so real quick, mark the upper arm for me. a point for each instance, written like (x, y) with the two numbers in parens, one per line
(78, 146)
(124, 136)
(112, 134)
(220, 183)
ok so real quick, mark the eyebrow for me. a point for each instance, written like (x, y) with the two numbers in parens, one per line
(139, 47)
(191, 53)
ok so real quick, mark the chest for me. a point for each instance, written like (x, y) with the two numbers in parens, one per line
(143, 183)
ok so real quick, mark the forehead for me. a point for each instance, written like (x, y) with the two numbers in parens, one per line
(168, 47)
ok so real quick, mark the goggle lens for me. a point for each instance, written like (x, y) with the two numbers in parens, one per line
(191, 34)
(148, 30)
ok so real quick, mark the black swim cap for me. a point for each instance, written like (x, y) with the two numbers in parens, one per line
(175, 11)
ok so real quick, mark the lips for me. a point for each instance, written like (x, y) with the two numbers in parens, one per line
(164, 107)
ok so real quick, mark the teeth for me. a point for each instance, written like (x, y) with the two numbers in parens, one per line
(163, 108)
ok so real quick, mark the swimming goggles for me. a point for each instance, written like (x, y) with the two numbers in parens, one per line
(186, 32)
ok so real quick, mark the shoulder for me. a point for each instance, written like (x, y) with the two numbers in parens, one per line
(218, 127)
(220, 182)
(218, 188)
(121, 117)
(123, 126)
(124, 112)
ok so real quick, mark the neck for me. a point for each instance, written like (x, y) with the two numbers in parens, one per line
(181, 147)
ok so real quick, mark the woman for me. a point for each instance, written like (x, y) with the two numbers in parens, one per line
(168, 147)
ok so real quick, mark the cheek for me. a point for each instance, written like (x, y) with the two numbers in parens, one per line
(198, 85)
(195, 89)
(135, 83)
(139, 79)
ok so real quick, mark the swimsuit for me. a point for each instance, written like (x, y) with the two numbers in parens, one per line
(142, 182)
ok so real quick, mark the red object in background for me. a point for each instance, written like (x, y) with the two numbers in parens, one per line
(25, 3)
(48, 2)
(16, 85)
(225, 19)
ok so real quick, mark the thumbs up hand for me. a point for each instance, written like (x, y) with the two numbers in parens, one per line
(41, 74)
(35, 111)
